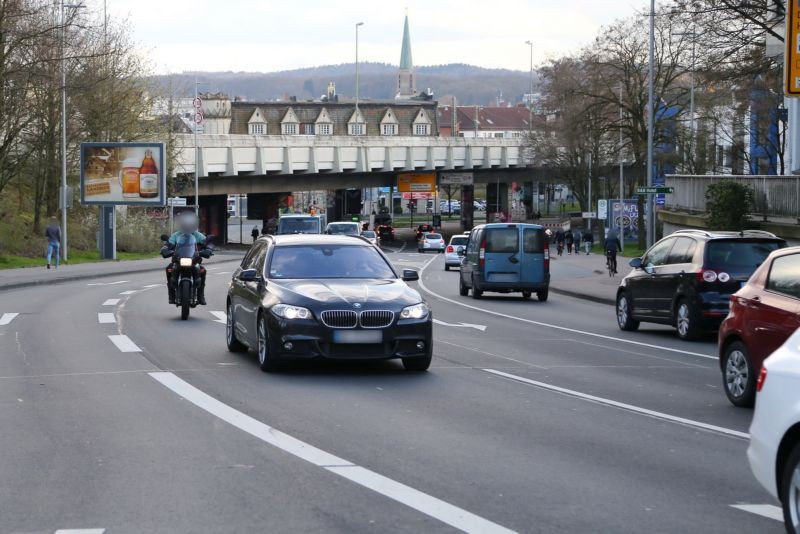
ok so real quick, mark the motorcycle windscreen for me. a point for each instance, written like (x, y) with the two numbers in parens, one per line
(186, 246)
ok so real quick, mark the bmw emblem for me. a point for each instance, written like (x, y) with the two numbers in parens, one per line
(357, 305)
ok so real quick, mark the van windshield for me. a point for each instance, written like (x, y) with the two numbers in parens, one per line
(502, 240)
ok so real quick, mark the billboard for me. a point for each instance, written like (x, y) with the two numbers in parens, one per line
(416, 182)
(123, 173)
(626, 215)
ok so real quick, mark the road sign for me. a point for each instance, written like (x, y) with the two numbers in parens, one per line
(176, 201)
(198, 117)
(197, 102)
(463, 178)
(602, 208)
(791, 59)
(589, 215)
(655, 190)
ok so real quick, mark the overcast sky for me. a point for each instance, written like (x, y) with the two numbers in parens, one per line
(266, 35)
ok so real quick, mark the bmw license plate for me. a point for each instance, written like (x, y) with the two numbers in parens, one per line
(358, 336)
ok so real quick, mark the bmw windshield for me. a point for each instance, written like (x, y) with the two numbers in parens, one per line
(325, 261)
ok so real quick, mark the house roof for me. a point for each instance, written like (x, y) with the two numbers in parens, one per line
(489, 118)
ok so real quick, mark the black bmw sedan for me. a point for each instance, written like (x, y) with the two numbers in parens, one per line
(300, 297)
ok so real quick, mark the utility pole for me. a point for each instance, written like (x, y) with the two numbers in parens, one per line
(357, 115)
(196, 156)
(620, 224)
(589, 219)
(651, 231)
(530, 94)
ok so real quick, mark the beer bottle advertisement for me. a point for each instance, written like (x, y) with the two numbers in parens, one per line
(122, 173)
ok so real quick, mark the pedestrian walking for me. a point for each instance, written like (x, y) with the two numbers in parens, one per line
(588, 242)
(254, 233)
(569, 240)
(53, 235)
(560, 241)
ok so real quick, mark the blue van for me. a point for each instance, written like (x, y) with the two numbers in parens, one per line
(506, 258)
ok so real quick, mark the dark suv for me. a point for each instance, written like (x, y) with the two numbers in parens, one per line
(687, 278)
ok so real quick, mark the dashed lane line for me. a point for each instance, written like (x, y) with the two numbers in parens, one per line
(130, 292)
(221, 316)
(769, 511)
(124, 343)
(111, 302)
(555, 326)
(6, 318)
(623, 406)
(415, 499)
(108, 283)
(106, 318)
(80, 531)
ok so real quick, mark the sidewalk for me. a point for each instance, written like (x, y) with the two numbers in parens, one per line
(585, 277)
(32, 276)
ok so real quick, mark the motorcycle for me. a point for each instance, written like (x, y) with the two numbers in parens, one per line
(186, 268)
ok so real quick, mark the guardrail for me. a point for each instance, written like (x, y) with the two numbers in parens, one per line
(774, 196)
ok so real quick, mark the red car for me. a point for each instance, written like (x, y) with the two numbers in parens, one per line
(763, 314)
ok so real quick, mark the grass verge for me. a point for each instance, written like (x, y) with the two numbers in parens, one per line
(75, 257)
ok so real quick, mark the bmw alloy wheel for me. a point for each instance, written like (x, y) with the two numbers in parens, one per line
(736, 373)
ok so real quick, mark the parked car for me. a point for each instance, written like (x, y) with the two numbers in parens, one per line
(506, 258)
(763, 314)
(687, 278)
(370, 236)
(774, 451)
(451, 256)
(431, 241)
(385, 232)
(343, 228)
(326, 297)
(422, 229)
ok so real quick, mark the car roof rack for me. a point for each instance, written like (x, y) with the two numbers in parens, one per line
(693, 231)
(758, 233)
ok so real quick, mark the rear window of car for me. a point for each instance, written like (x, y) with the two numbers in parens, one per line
(433, 236)
(533, 240)
(459, 240)
(739, 254)
(502, 240)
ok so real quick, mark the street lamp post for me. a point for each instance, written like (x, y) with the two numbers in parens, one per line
(651, 231)
(196, 150)
(620, 223)
(530, 94)
(359, 124)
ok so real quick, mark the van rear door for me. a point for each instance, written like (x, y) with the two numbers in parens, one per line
(502, 254)
(532, 261)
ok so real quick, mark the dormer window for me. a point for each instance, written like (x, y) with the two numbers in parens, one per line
(388, 129)
(422, 129)
(356, 125)
(290, 125)
(421, 124)
(389, 123)
(257, 125)
(324, 124)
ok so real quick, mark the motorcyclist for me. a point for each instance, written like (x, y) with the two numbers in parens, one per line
(611, 246)
(187, 224)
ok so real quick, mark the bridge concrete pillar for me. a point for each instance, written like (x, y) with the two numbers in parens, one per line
(467, 207)
(312, 159)
(231, 163)
(286, 165)
(497, 202)
(449, 162)
(387, 159)
(468, 157)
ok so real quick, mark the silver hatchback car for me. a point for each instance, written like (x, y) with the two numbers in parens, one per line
(430, 242)
(451, 257)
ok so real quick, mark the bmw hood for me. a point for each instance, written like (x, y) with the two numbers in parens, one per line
(348, 292)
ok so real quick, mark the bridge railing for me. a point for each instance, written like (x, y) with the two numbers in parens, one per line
(774, 196)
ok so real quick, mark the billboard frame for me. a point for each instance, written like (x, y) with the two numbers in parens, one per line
(159, 146)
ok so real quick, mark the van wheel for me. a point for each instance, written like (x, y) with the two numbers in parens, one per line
(542, 295)
(476, 293)
(686, 321)
(624, 319)
(463, 290)
(526, 294)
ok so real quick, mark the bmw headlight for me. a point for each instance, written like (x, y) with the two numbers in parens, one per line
(286, 311)
(186, 262)
(417, 311)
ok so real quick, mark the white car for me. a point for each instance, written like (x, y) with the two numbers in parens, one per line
(774, 451)
(371, 236)
(430, 241)
(451, 257)
(343, 228)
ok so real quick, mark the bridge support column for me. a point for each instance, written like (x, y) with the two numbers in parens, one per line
(497, 202)
(467, 207)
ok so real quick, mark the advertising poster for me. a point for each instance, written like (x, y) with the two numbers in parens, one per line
(123, 173)
(626, 215)
(416, 182)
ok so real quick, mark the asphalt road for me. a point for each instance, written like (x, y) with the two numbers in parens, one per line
(534, 417)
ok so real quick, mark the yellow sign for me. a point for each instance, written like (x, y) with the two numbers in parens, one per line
(416, 182)
(791, 60)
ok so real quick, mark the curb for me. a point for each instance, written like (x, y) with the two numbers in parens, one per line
(583, 296)
(87, 276)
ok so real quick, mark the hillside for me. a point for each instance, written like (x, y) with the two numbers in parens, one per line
(471, 85)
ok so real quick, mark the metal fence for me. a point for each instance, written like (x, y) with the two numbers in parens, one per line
(774, 196)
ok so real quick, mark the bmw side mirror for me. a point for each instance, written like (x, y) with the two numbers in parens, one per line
(460, 250)
(636, 263)
(410, 275)
(249, 275)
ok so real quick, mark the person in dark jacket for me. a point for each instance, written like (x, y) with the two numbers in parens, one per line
(588, 242)
(254, 233)
(569, 240)
(611, 246)
(53, 235)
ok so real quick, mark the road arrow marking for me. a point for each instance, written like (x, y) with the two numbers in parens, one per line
(764, 510)
(480, 327)
(7, 318)
(220, 316)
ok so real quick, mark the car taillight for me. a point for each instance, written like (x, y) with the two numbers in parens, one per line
(762, 377)
(482, 255)
(707, 275)
(547, 259)
(450, 248)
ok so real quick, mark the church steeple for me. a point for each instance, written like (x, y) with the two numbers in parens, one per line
(406, 85)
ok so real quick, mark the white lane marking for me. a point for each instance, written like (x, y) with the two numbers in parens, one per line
(129, 292)
(480, 327)
(221, 316)
(80, 531)
(623, 406)
(124, 343)
(108, 283)
(106, 318)
(555, 326)
(223, 272)
(764, 510)
(152, 285)
(422, 502)
(111, 302)
(7, 318)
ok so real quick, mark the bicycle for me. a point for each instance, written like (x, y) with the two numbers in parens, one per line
(610, 263)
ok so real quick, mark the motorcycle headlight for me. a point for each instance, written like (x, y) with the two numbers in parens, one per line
(186, 262)
(286, 311)
(417, 311)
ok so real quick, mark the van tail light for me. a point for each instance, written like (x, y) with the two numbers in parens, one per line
(547, 259)
(707, 275)
(450, 248)
(482, 255)
(762, 377)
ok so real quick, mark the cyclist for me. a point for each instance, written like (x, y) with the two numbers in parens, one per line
(611, 246)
